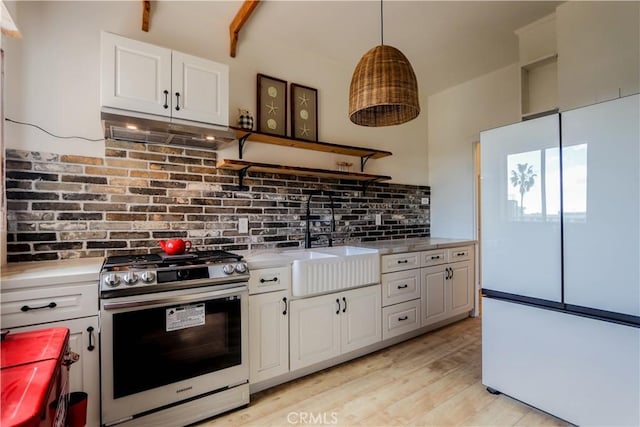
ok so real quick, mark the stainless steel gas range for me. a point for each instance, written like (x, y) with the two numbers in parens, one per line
(174, 337)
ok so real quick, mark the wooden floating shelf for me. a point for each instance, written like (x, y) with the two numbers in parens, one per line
(369, 153)
(243, 166)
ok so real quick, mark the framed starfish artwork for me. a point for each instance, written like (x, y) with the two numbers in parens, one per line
(272, 105)
(304, 112)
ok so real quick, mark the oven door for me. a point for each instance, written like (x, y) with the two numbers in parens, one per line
(162, 348)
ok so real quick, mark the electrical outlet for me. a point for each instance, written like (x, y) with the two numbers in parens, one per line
(425, 200)
(378, 219)
(243, 225)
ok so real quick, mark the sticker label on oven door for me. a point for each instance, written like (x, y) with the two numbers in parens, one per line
(185, 316)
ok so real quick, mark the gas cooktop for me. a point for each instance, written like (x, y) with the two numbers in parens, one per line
(192, 258)
(124, 275)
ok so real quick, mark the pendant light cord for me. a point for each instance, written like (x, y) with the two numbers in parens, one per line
(381, 25)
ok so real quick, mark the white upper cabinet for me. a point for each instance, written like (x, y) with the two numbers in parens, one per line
(145, 78)
(598, 51)
(135, 75)
(200, 89)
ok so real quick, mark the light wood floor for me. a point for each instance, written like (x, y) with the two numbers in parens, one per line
(431, 380)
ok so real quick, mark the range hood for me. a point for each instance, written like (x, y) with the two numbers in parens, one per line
(137, 127)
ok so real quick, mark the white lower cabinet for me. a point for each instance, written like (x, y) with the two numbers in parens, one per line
(434, 294)
(400, 297)
(326, 326)
(400, 318)
(447, 290)
(440, 281)
(268, 335)
(83, 374)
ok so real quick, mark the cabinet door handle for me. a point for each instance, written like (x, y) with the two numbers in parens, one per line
(451, 275)
(26, 308)
(344, 300)
(446, 277)
(166, 99)
(284, 300)
(435, 256)
(403, 261)
(91, 347)
(177, 101)
(403, 286)
(338, 302)
(400, 319)
(275, 279)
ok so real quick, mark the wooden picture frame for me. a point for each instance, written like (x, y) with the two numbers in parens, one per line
(304, 112)
(272, 105)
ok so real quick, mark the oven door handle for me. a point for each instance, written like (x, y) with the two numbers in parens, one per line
(141, 302)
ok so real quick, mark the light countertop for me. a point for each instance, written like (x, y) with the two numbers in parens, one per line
(386, 247)
(271, 258)
(44, 273)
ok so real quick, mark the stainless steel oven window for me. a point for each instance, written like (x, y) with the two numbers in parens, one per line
(148, 354)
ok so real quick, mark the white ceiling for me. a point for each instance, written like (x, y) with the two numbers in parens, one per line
(447, 42)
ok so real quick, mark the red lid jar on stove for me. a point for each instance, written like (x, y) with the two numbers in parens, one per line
(31, 375)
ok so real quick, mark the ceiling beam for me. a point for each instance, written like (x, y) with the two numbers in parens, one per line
(236, 25)
(146, 11)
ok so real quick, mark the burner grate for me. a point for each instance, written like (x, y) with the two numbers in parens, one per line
(140, 259)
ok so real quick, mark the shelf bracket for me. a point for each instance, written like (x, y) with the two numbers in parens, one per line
(241, 142)
(364, 160)
(241, 174)
(365, 185)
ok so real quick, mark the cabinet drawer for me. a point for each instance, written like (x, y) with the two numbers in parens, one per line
(400, 318)
(460, 254)
(48, 304)
(434, 257)
(399, 262)
(400, 286)
(269, 279)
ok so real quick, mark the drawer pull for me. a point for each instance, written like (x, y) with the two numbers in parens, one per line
(403, 261)
(403, 286)
(435, 256)
(275, 279)
(27, 308)
(91, 347)
(460, 254)
(400, 319)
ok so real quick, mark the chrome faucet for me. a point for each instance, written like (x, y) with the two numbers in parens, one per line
(307, 237)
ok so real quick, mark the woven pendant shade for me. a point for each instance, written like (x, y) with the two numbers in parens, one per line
(384, 89)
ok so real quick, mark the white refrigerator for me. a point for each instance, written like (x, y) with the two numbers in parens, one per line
(560, 250)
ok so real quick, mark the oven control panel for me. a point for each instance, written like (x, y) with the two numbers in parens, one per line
(129, 280)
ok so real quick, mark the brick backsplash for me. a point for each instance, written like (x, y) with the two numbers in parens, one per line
(67, 206)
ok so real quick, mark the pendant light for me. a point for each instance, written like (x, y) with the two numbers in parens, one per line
(384, 89)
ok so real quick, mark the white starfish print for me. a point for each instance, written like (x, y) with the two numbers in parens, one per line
(303, 99)
(272, 108)
(304, 131)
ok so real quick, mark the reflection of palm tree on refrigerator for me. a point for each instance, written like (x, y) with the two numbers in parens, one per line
(523, 178)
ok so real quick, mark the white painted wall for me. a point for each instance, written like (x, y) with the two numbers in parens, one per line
(52, 79)
(456, 117)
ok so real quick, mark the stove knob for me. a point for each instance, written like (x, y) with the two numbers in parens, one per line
(241, 267)
(183, 274)
(130, 278)
(147, 276)
(111, 280)
(228, 269)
